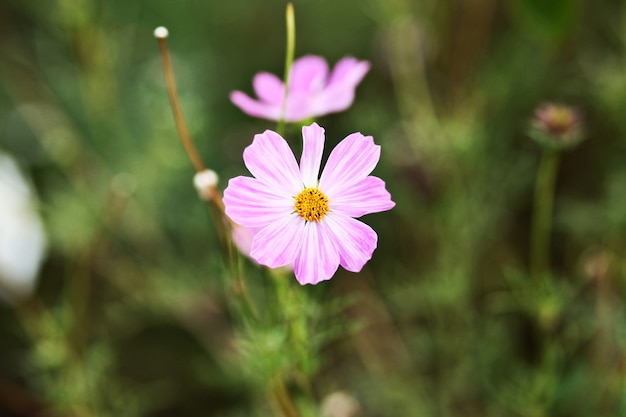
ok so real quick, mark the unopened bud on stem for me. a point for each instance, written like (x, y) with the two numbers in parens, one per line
(557, 126)
(161, 32)
(206, 184)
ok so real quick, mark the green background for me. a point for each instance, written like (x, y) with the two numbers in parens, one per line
(134, 312)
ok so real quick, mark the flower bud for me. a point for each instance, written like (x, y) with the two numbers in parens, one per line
(206, 183)
(22, 235)
(557, 126)
(340, 404)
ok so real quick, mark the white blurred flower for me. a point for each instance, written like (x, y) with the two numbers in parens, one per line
(22, 238)
(340, 404)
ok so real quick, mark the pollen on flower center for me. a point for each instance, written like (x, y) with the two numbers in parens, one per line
(311, 204)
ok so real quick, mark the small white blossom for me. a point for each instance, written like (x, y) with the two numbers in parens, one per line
(205, 183)
(22, 238)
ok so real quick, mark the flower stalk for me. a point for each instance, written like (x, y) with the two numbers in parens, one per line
(542, 214)
(161, 35)
(205, 180)
(555, 127)
(283, 399)
(289, 54)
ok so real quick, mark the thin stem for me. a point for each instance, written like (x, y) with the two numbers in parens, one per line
(283, 399)
(238, 287)
(542, 214)
(176, 108)
(293, 307)
(291, 46)
(213, 194)
(209, 191)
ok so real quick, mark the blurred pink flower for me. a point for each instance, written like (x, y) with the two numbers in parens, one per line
(242, 238)
(312, 91)
(302, 220)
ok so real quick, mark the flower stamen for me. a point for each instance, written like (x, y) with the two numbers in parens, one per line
(311, 204)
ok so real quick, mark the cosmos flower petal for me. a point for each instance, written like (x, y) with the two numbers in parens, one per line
(366, 196)
(318, 259)
(312, 149)
(254, 107)
(279, 243)
(339, 93)
(298, 107)
(271, 161)
(269, 88)
(308, 74)
(353, 159)
(311, 91)
(251, 203)
(358, 240)
(348, 71)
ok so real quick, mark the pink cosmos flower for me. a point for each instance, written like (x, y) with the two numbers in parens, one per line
(307, 220)
(312, 92)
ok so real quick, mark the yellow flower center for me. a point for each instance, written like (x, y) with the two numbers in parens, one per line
(311, 204)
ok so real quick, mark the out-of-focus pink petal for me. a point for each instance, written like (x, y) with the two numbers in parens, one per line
(251, 203)
(243, 236)
(355, 240)
(269, 88)
(331, 102)
(279, 243)
(298, 106)
(318, 259)
(339, 93)
(308, 74)
(348, 72)
(271, 161)
(254, 107)
(312, 92)
(353, 159)
(313, 147)
(366, 196)
(328, 97)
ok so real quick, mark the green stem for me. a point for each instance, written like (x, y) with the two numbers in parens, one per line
(181, 125)
(291, 46)
(283, 398)
(237, 285)
(294, 306)
(542, 214)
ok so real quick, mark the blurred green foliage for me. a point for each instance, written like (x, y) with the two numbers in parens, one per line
(137, 312)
